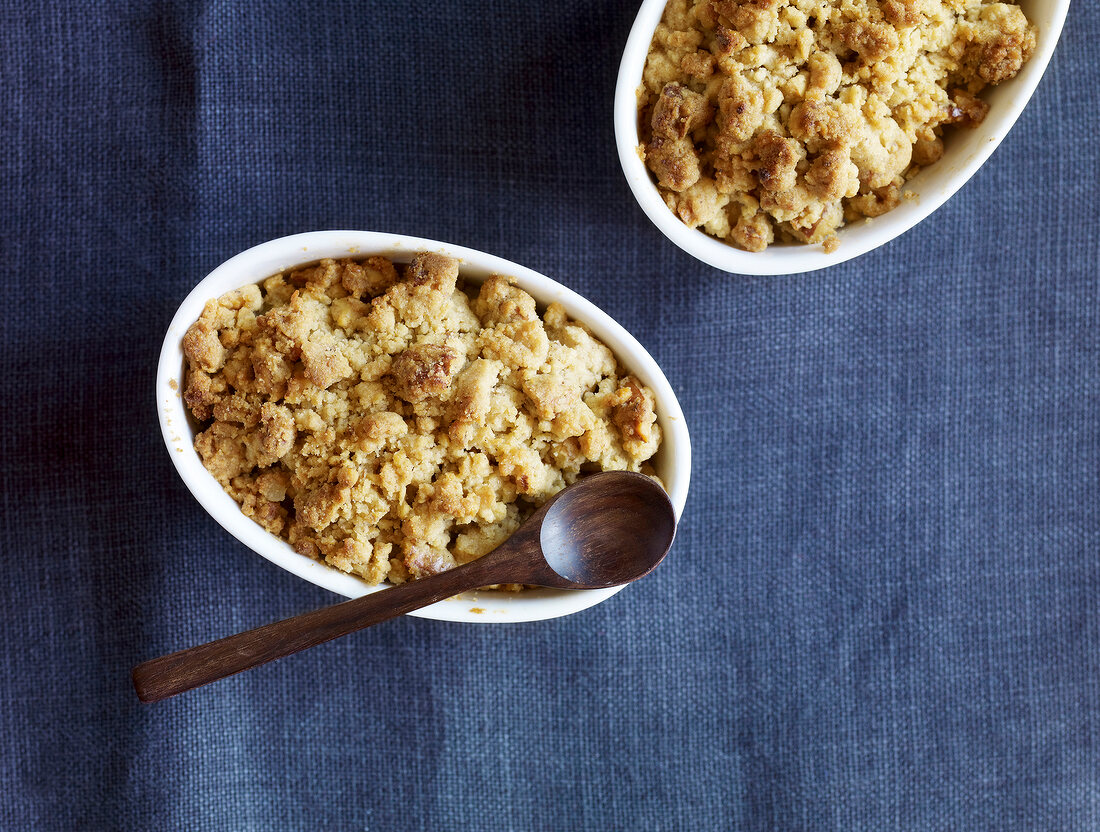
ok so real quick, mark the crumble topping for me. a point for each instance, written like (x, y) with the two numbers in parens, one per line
(382, 419)
(784, 119)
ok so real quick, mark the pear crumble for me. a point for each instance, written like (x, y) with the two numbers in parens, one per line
(393, 422)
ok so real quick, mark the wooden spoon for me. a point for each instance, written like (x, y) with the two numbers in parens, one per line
(607, 529)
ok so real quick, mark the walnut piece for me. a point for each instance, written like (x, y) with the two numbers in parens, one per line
(423, 371)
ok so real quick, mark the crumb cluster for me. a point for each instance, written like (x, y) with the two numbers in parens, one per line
(378, 417)
(784, 119)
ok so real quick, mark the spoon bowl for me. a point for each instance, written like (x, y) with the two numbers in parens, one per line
(606, 530)
(635, 529)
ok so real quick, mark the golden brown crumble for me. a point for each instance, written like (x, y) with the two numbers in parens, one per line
(784, 119)
(380, 418)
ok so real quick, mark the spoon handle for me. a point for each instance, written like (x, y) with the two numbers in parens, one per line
(177, 672)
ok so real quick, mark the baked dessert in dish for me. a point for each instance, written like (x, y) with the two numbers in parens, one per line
(394, 421)
(767, 120)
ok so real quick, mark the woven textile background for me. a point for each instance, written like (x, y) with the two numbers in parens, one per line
(882, 611)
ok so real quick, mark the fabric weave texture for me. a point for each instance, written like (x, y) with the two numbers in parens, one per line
(882, 611)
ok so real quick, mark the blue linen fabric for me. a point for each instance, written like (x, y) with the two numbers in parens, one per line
(882, 611)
